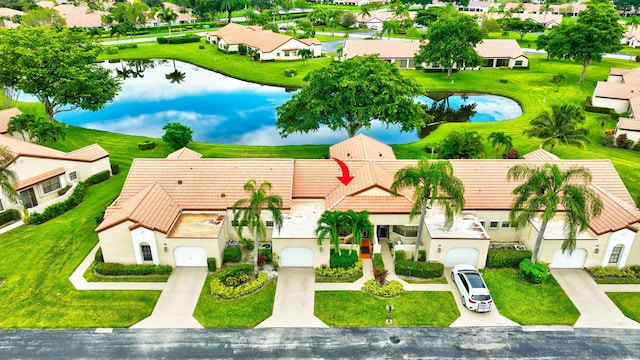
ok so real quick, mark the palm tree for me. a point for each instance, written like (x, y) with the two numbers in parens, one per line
(461, 145)
(390, 27)
(248, 212)
(167, 15)
(8, 178)
(365, 11)
(329, 225)
(559, 127)
(176, 76)
(358, 223)
(43, 131)
(546, 8)
(21, 124)
(433, 182)
(546, 189)
(500, 139)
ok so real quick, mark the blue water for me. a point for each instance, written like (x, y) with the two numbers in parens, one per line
(220, 109)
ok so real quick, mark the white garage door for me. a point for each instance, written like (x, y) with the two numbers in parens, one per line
(296, 256)
(461, 255)
(564, 260)
(190, 256)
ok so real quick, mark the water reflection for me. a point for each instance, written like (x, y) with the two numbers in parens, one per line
(218, 108)
(443, 112)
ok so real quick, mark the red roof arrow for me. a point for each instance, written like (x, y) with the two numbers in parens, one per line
(345, 178)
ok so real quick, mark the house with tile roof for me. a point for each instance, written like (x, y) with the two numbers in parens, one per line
(497, 53)
(5, 117)
(621, 92)
(177, 210)
(631, 36)
(266, 43)
(42, 171)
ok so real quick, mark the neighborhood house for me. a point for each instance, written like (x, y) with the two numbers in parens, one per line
(177, 210)
(621, 92)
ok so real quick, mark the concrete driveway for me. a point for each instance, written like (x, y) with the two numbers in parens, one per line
(472, 318)
(596, 309)
(294, 300)
(178, 300)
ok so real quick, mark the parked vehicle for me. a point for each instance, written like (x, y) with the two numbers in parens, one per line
(473, 289)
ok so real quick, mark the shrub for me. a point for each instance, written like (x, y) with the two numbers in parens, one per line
(267, 253)
(424, 270)
(613, 272)
(422, 255)
(64, 190)
(188, 38)
(60, 208)
(392, 289)
(162, 40)
(98, 178)
(98, 257)
(115, 168)
(261, 260)
(344, 261)
(111, 50)
(290, 73)
(506, 258)
(127, 46)
(629, 144)
(239, 275)
(400, 255)
(377, 262)
(511, 154)
(504, 81)
(211, 264)
(607, 140)
(533, 273)
(596, 109)
(9, 215)
(242, 49)
(232, 255)
(147, 145)
(99, 218)
(114, 269)
(636, 147)
(380, 276)
(621, 140)
(248, 243)
(340, 272)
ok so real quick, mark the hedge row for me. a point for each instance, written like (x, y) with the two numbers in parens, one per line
(60, 208)
(339, 272)
(424, 270)
(9, 215)
(232, 255)
(125, 269)
(98, 178)
(506, 258)
(345, 259)
(392, 289)
(147, 145)
(614, 272)
(596, 109)
(377, 262)
(533, 273)
(188, 38)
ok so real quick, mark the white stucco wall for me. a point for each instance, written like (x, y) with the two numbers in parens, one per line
(618, 105)
(622, 237)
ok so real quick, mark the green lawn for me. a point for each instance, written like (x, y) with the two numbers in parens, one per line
(413, 308)
(627, 302)
(529, 304)
(245, 312)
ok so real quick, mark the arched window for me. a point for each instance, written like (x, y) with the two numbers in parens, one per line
(615, 254)
(145, 249)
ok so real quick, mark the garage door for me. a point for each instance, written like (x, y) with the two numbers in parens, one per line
(461, 255)
(296, 256)
(190, 256)
(564, 260)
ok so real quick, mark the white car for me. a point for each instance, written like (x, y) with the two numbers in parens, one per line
(475, 295)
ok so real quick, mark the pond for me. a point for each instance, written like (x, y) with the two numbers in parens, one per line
(225, 110)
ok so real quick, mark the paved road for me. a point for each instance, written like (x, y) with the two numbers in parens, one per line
(359, 343)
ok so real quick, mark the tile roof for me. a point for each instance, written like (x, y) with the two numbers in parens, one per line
(5, 116)
(540, 154)
(19, 148)
(618, 71)
(254, 36)
(616, 214)
(80, 16)
(616, 91)
(89, 153)
(39, 178)
(628, 124)
(184, 153)
(499, 48)
(10, 12)
(183, 13)
(386, 49)
(361, 147)
(632, 77)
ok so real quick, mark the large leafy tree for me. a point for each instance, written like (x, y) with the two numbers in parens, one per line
(433, 182)
(562, 126)
(248, 212)
(176, 135)
(351, 94)
(8, 178)
(500, 140)
(461, 145)
(596, 32)
(521, 27)
(329, 225)
(547, 189)
(57, 66)
(42, 16)
(451, 42)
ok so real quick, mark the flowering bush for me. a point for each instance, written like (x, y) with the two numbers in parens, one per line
(222, 291)
(340, 272)
(392, 289)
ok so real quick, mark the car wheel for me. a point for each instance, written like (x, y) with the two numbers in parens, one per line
(453, 277)
(464, 303)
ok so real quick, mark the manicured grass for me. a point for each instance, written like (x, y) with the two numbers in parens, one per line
(245, 312)
(413, 308)
(529, 304)
(90, 276)
(38, 260)
(617, 281)
(627, 302)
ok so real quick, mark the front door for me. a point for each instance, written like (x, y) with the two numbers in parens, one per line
(29, 198)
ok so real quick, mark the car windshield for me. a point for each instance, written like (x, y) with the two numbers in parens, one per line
(481, 297)
(475, 280)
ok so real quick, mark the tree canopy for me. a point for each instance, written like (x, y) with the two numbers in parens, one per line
(57, 66)
(596, 32)
(451, 42)
(461, 145)
(562, 126)
(176, 135)
(351, 94)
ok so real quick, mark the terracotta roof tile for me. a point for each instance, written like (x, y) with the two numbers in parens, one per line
(5, 116)
(253, 36)
(616, 91)
(361, 147)
(88, 153)
(376, 204)
(39, 178)
(80, 16)
(386, 49)
(184, 153)
(628, 124)
(632, 77)
(616, 214)
(540, 154)
(24, 148)
(499, 48)
(618, 71)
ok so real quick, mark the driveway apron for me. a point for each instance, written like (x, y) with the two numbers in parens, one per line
(596, 309)
(294, 300)
(178, 300)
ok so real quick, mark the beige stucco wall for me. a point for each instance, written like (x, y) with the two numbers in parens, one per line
(634, 255)
(498, 234)
(320, 252)
(446, 244)
(618, 105)
(549, 247)
(116, 244)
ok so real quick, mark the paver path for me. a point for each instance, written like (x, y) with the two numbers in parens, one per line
(596, 309)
